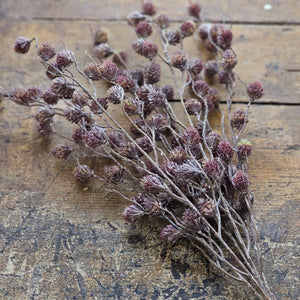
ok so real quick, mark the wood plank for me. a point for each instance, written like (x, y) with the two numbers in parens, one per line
(282, 11)
(60, 240)
(260, 57)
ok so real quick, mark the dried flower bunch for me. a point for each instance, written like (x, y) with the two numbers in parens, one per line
(193, 177)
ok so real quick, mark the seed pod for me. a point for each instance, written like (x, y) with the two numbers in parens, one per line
(179, 60)
(62, 151)
(22, 45)
(229, 60)
(201, 87)
(255, 90)
(194, 66)
(168, 91)
(80, 99)
(224, 38)
(120, 58)
(187, 28)
(103, 51)
(225, 151)
(77, 136)
(115, 94)
(64, 59)
(207, 207)
(193, 106)
(144, 29)
(178, 155)
(226, 77)
(238, 119)
(157, 98)
(133, 213)
(191, 136)
(62, 87)
(74, 115)
(151, 184)
(95, 137)
(113, 174)
(213, 169)
(129, 150)
(116, 139)
(45, 115)
(92, 71)
(126, 82)
(132, 106)
(134, 18)
(50, 97)
(194, 10)
(152, 73)
(158, 122)
(211, 68)
(170, 234)
(20, 96)
(100, 37)
(240, 181)
(98, 105)
(109, 70)
(149, 50)
(44, 129)
(191, 220)
(173, 37)
(162, 21)
(46, 51)
(53, 71)
(203, 31)
(83, 173)
(148, 8)
(244, 149)
(144, 143)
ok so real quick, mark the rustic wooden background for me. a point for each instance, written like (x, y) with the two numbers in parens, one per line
(61, 240)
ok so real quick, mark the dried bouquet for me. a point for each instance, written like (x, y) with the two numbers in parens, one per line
(184, 172)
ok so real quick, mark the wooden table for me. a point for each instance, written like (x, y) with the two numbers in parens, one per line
(62, 240)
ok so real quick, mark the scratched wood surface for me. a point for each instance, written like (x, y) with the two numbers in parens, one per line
(61, 241)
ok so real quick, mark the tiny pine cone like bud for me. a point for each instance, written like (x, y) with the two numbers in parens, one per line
(45, 115)
(113, 174)
(179, 60)
(77, 135)
(133, 213)
(115, 94)
(173, 37)
(201, 87)
(144, 29)
(22, 45)
(240, 181)
(162, 21)
(62, 87)
(238, 119)
(191, 136)
(103, 51)
(230, 60)
(74, 115)
(203, 31)
(126, 82)
(95, 137)
(148, 8)
(62, 151)
(52, 71)
(224, 38)
(157, 98)
(44, 129)
(64, 59)
(151, 184)
(178, 155)
(207, 207)
(213, 168)
(46, 51)
(144, 143)
(170, 234)
(100, 37)
(149, 50)
(92, 71)
(226, 77)
(20, 96)
(213, 140)
(194, 10)
(192, 220)
(120, 58)
(83, 173)
(158, 122)
(129, 150)
(132, 106)
(225, 151)
(244, 149)
(98, 105)
(109, 70)
(193, 106)
(187, 28)
(168, 91)
(50, 97)
(255, 90)
(134, 18)
(138, 76)
(34, 93)
(195, 66)
(211, 68)
(152, 73)
(80, 99)
(116, 139)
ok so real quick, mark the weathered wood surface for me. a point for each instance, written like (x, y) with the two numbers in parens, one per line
(280, 11)
(59, 240)
(266, 53)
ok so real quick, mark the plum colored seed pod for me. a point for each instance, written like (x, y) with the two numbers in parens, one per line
(64, 59)
(113, 174)
(22, 45)
(170, 234)
(62, 151)
(83, 173)
(133, 213)
(255, 90)
(148, 8)
(144, 29)
(115, 94)
(46, 51)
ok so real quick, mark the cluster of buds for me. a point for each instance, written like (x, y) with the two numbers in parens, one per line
(185, 172)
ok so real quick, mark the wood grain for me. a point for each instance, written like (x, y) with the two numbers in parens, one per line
(243, 11)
